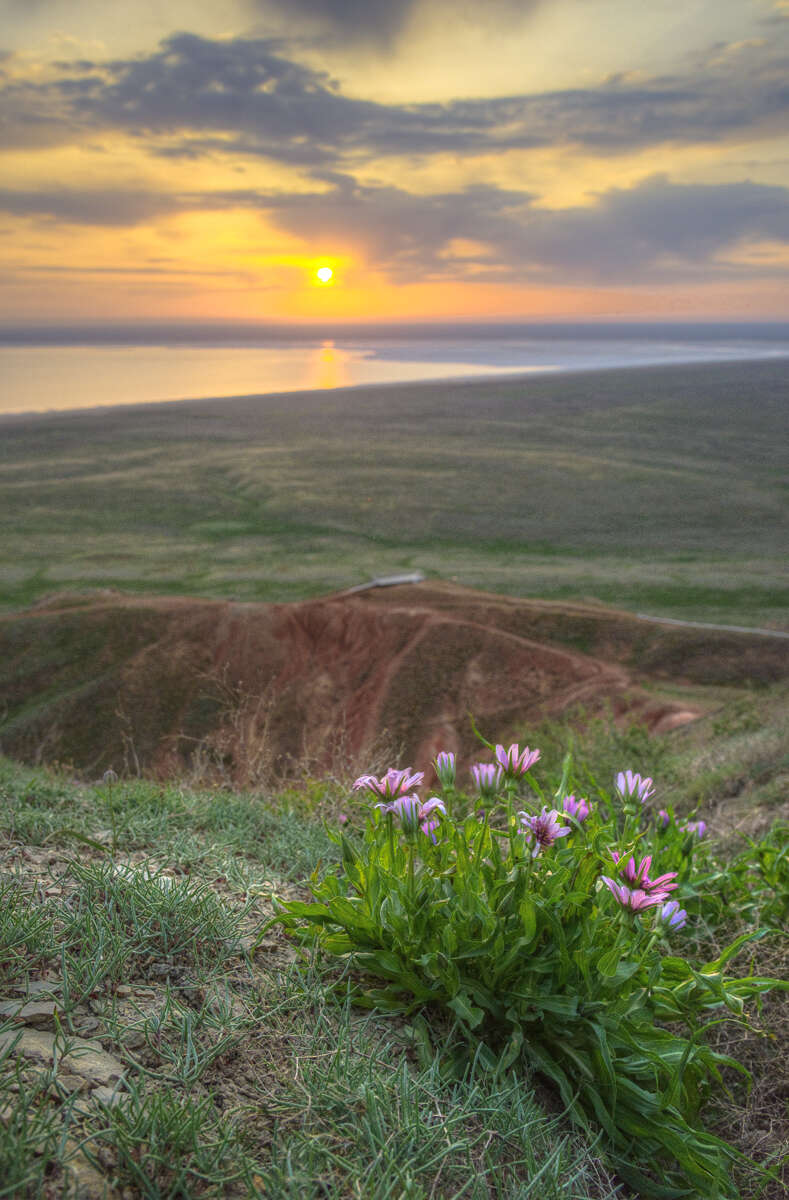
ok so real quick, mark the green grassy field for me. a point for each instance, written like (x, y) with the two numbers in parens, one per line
(661, 490)
(163, 1054)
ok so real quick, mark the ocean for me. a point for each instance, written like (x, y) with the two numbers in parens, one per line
(59, 369)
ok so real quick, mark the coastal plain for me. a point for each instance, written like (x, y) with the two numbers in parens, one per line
(656, 490)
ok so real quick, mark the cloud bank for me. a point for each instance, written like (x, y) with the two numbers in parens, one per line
(235, 99)
(263, 102)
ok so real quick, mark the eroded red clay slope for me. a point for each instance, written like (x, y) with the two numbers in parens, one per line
(150, 683)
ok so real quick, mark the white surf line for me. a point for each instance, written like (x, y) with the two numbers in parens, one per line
(776, 633)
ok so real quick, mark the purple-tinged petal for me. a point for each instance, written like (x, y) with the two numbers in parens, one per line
(515, 761)
(697, 827)
(445, 767)
(576, 808)
(429, 829)
(543, 829)
(631, 786)
(636, 900)
(663, 883)
(487, 777)
(673, 916)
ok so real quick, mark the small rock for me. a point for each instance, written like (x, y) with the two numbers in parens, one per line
(94, 1064)
(72, 1083)
(109, 1096)
(38, 987)
(32, 1044)
(85, 1181)
(162, 969)
(38, 1014)
(86, 1059)
(132, 1039)
(86, 1024)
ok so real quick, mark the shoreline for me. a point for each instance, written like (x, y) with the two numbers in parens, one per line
(534, 375)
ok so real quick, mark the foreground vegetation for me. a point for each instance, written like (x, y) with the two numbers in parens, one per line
(657, 490)
(168, 1049)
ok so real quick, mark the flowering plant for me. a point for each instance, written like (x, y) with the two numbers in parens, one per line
(543, 934)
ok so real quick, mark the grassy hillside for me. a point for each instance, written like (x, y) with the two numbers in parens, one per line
(659, 490)
(164, 1054)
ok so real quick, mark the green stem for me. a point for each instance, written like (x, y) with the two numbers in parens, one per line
(391, 843)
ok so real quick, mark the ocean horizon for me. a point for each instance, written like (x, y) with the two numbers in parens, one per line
(58, 368)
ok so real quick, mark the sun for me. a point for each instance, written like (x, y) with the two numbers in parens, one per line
(325, 274)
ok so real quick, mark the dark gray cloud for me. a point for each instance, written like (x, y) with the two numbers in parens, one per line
(362, 20)
(656, 232)
(247, 96)
(99, 206)
(379, 23)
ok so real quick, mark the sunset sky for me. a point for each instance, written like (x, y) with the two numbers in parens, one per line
(446, 158)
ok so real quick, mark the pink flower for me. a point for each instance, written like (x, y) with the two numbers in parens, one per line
(633, 900)
(664, 820)
(697, 827)
(674, 916)
(543, 830)
(631, 786)
(515, 762)
(445, 768)
(394, 783)
(631, 872)
(576, 808)
(412, 813)
(640, 874)
(429, 829)
(487, 777)
(663, 883)
(343, 818)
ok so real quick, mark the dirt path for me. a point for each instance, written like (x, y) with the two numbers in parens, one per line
(707, 625)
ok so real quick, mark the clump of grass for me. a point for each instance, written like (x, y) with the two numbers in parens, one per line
(27, 938)
(164, 1145)
(154, 915)
(371, 1111)
(187, 1040)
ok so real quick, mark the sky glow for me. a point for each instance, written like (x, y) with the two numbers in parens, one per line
(521, 159)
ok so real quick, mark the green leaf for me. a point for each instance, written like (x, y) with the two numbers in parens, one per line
(312, 912)
(469, 1013)
(560, 1006)
(527, 912)
(79, 837)
(345, 912)
(608, 964)
(512, 1049)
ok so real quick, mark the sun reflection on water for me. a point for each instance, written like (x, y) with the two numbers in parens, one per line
(329, 366)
